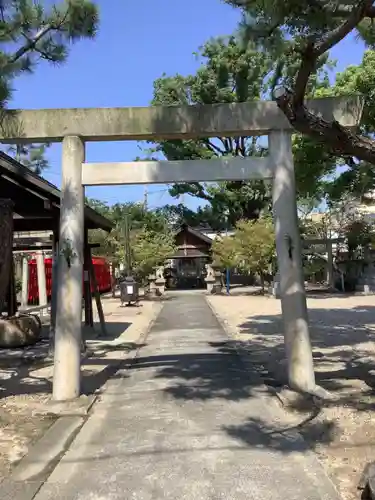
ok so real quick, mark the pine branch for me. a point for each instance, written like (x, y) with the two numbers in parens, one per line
(200, 192)
(213, 148)
(30, 44)
(238, 146)
(224, 141)
(243, 145)
(339, 139)
(315, 49)
(324, 6)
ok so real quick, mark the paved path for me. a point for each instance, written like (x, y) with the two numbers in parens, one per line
(188, 421)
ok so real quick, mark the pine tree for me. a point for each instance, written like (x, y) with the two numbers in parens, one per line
(231, 72)
(30, 33)
(33, 156)
(298, 34)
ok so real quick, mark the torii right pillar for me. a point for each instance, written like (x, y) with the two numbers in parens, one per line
(288, 247)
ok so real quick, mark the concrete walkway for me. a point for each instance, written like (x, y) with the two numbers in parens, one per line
(187, 421)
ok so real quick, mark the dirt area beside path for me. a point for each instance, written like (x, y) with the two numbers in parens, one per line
(26, 375)
(343, 337)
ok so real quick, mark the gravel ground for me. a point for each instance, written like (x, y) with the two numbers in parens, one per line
(343, 338)
(19, 429)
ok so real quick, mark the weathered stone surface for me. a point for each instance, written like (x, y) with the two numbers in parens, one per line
(168, 172)
(79, 407)
(166, 122)
(367, 482)
(19, 331)
(213, 279)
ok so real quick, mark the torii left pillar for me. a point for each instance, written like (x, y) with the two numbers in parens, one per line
(68, 335)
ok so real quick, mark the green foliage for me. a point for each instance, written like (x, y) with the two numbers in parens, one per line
(359, 234)
(279, 30)
(225, 252)
(234, 72)
(342, 220)
(283, 26)
(313, 267)
(228, 73)
(30, 32)
(143, 225)
(297, 36)
(32, 156)
(359, 177)
(251, 248)
(316, 228)
(256, 243)
(18, 285)
(315, 167)
(176, 215)
(100, 206)
(151, 249)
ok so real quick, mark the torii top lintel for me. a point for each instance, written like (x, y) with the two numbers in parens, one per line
(165, 122)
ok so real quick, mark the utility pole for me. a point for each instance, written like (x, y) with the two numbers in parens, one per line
(145, 199)
(227, 270)
(126, 235)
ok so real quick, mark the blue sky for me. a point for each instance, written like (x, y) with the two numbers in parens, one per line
(137, 42)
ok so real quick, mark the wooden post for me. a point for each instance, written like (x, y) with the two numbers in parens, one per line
(6, 247)
(89, 319)
(113, 280)
(55, 274)
(42, 287)
(25, 281)
(11, 295)
(97, 297)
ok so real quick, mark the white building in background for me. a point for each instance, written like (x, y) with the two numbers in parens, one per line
(215, 234)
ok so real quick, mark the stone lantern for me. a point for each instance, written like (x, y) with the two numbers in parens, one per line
(160, 280)
(156, 283)
(213, 279)
(275, 286)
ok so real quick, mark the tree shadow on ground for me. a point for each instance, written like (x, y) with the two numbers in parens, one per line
(328, 294)
(29, 371)
(219, 375)
(113, 331)
(256, 433)
(202, 376)
(343, 350)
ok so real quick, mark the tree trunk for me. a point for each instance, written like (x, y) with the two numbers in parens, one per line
(6, 247)
(262, 282)
(341, 140)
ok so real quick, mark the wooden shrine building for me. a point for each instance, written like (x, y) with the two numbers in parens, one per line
(187, 266)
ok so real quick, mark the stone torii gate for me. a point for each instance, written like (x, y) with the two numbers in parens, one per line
(75, 127)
